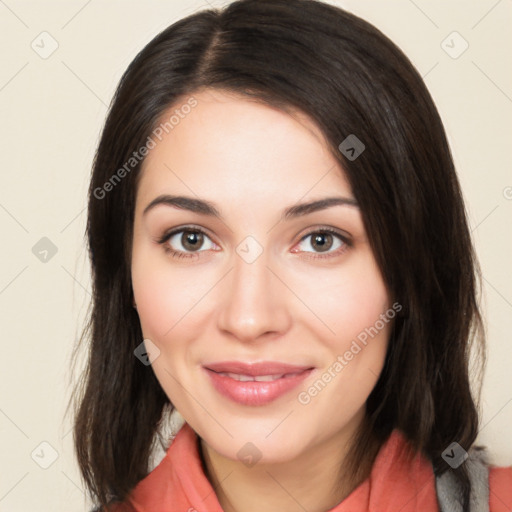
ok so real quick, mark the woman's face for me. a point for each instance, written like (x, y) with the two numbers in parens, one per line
(262, 283)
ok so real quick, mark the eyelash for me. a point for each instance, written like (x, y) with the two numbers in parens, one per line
(347, 243)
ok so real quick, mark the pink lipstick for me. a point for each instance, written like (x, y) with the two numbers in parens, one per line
(255, 383)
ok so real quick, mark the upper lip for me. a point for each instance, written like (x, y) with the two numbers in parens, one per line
(255, 369)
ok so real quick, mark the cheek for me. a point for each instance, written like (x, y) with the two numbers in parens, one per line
(154, 298)
(348, 302)
(353, 308)
(167, 306)
(167, 296)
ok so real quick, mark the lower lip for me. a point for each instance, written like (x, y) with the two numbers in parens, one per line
(255, 393)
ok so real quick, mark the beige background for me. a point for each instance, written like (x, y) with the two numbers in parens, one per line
(52, 111)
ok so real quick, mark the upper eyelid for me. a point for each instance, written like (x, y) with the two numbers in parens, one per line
(174, 231)
(342, 234)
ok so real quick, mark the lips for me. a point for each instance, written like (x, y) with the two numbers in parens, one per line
(255, 383)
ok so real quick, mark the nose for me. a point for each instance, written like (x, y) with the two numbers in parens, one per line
(253, 302)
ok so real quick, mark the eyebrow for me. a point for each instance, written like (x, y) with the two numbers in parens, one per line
(207, 208)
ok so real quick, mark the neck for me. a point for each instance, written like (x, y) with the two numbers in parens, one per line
(316, 480)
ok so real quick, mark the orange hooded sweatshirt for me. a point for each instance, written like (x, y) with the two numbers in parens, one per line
(179, 484)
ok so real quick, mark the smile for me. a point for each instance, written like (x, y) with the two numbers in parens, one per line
(255, 390)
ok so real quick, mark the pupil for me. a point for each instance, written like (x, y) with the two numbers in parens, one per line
(192, 240)
(320, 239)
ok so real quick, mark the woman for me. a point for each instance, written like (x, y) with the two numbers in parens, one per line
(280, 255)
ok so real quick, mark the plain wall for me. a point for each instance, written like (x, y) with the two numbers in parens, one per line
(52, 112)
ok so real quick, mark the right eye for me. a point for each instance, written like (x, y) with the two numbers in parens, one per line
(184, 242)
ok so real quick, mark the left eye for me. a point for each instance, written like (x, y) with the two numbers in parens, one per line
(322, 241)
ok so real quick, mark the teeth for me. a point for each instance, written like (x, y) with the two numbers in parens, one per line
(249, 378)
(258, 378)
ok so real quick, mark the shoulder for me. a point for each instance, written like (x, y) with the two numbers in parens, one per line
(500, 488)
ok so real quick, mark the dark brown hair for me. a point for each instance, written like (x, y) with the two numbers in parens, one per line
(350, 79)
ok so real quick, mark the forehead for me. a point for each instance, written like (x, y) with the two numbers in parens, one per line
(233, 146)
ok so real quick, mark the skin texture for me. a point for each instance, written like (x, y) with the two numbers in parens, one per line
(252, 161)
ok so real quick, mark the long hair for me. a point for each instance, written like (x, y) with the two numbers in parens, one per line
(349, 79)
